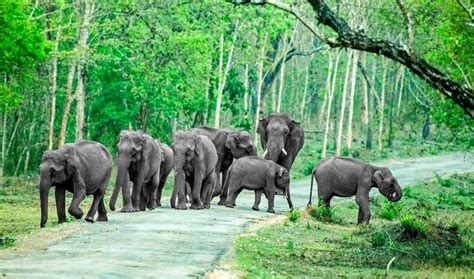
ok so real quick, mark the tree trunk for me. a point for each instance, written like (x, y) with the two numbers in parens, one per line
(80, 104)
(343, 104)
(53, 77)
(351, 100)
(259, 83)
(246, 87)
(4, 140)
(67, 103)
(364, 115)
(329, 94)
(382, 106)
(305, 92)
(281, 86)
(368, 143)
(206, 93)
(400, 89)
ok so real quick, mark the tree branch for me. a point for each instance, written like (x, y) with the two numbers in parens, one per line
(408, 23)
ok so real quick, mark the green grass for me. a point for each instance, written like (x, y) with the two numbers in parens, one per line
(20, 207)
(427, 235)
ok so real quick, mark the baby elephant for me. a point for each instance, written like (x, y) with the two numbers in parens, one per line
(253, 173)
(82, 168)
(344, 177)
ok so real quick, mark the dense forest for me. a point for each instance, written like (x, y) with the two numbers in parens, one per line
(361, 74)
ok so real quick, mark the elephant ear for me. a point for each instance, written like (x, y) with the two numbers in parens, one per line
(295, 137)
(138, 142)
(70, 159)
(232, 142)
(280, 171)
(262, 131)
(378, 178)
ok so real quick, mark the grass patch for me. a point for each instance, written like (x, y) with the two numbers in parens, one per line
(426, 238)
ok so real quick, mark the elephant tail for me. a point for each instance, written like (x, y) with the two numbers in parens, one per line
(311, 189)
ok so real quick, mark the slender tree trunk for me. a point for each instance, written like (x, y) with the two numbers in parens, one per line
(281, 86)
(400, 95)
(351, 100)
(67, 103)
(364, 115)
(246, 87)
(368, 143)
(274, 97)
(343, 104)
(80, 104)
(305, 92)
(53, 77)
(260, 83)
(224, 72)
(382, 106)
(206, 93)
(4, 140)
(329, 94)
(27, 156)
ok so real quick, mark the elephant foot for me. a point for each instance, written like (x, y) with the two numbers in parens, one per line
(60, 221)
(181, 206)
(255, 208)
(207, 206)
(89, 219)
(77, 213)
(151, 206)
(102, 219)
(221, 202)
(270, 210)
(197, 206)
(128, 208)
(230, 205)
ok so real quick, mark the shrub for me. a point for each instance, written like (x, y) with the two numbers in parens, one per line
(379, 239)
(294, 214)
(413, 227)
(324, 214)
(444, 182)
(390, 210)
(7, 241)
(308, 168)
(290, 245)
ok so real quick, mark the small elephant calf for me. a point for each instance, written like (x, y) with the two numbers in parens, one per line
(253, 173)
(344, 177)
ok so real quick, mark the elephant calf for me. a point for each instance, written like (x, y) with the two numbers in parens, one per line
(344, 177)
(253, 173)
(82, 168)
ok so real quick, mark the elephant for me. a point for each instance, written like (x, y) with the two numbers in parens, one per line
(229, 146)
(83, 168)
(165, 168)
(345, 177)
(195, 159)
(260, 175)
(281, 137)
(139, 161)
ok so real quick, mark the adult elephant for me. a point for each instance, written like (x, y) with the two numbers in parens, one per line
(229, 146)
(194, 163)
(165, 168)
(282, 138)
(82, 168)
(139, 161)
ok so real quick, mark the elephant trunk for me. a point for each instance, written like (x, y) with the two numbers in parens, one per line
(121, 179)
(179, 190)
(275, 148)
(45, 184)
(396, 194)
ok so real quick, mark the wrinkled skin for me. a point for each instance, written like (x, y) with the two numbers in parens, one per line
(281, 137)
(165, 168)
(83, 168)
(139, 161)
(229, 146)
(344, 177)
(194, 163)
(260, 175)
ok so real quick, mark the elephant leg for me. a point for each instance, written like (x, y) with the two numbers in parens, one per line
(154, 184)
(60, 194)
(98, 196)
(362, 199)
(126, 196)
(144, 195)
(188, 193)
(270, 193)
(138, 186)
(223, 196)
(258, 197)
(102, 212)
(196, 202)
(207, 190)
(288, 198)
(77, 198)
(218, 185)
(160, 190)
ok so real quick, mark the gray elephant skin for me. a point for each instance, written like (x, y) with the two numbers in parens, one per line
(165, 168)
(260, 175)
(195, 159)
(83, 168)
(139, 161)
(281, 137)
(345, 177)
(229, 146)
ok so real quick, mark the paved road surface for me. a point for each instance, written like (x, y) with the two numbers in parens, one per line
(169, 243)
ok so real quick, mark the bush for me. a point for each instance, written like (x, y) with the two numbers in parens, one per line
(324, 214)
(379, 239)
(390, 210)
(7, 241)
(413, 227)
(294, 214)
(444, 182)
(308, 168)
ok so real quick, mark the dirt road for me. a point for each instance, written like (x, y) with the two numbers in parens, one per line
(169, 243)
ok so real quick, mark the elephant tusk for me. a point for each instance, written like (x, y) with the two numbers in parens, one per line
(265, 153)
(284, 151)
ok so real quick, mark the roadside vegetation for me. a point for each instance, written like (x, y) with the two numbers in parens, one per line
(428, 232)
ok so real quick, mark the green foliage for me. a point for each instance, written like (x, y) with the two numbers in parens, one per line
(324, 214)
(379, 239)
(413, 227)
(7, 241)
(444, 182)
(390, 210)
(294, 214)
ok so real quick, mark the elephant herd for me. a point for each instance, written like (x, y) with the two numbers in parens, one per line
(207, 163)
